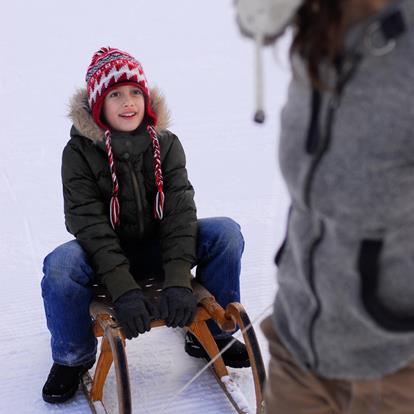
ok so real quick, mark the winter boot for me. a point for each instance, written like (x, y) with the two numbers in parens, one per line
(236, 356)
(63, 382)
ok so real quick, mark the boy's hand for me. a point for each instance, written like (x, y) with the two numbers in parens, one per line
(177, 306)
(134, 312)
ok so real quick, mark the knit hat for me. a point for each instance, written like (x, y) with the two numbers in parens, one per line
(108, 69)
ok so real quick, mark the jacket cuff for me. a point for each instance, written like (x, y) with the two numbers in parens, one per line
(177, 273)
(119, 281)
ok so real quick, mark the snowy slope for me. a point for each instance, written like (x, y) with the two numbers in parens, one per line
(193, 52)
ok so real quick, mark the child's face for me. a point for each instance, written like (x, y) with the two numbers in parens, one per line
(124, 108)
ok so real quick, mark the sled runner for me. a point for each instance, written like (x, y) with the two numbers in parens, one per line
(113, 348)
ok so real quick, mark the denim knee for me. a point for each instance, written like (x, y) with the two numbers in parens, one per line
(228, 235)
(65, 265)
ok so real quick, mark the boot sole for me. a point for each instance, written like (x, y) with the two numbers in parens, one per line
(60, 398)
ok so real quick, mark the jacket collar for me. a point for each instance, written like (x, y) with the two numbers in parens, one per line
(378, 34)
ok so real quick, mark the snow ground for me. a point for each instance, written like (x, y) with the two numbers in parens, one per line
(193, 52)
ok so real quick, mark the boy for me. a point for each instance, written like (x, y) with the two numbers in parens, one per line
(130, 206)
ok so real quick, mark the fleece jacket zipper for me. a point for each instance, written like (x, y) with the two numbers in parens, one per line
(320, 148)
(317, 145)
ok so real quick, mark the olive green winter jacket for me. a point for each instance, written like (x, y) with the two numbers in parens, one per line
(87, 190)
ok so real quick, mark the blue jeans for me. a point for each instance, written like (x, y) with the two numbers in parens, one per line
(68, 275)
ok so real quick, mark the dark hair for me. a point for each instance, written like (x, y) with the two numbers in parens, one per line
(319, 33)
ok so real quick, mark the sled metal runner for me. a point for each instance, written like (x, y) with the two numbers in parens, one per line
(113, 348)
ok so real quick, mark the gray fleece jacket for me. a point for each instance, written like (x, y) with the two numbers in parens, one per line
(345, 301)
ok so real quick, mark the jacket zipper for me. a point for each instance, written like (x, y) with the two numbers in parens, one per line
(138, 201)
(317, 312)
(323, 147)
(319, 147)
(345, 69)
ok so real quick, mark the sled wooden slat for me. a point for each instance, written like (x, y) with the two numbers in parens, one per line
(203, 334)
(103, 365)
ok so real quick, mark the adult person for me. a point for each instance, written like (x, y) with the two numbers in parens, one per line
(341, 335)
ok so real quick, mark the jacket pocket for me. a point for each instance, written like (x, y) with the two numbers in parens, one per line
(368, 267)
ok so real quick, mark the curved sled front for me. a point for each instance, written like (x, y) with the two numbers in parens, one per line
(112, 351)
(227, 320)
(238, 314)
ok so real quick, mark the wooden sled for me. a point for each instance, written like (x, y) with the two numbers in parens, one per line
(113, 347)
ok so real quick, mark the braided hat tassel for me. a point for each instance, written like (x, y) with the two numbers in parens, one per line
(160, 198)
(114, 208)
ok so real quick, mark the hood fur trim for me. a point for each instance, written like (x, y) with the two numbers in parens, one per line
(81, 117)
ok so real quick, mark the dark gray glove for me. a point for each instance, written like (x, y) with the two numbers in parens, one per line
(177, 306)
(134, 313)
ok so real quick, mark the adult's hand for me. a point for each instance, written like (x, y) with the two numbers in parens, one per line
(134, 313)
(177, 306)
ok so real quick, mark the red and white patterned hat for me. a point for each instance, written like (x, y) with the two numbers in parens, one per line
(110, 67)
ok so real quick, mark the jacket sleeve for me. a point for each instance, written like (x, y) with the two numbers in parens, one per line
(178, 228)
(86, 217)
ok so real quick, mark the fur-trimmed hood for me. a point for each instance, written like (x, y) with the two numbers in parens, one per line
(81, 117)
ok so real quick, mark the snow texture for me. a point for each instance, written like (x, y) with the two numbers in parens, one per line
(193, 52)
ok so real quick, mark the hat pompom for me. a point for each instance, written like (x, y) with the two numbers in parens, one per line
(99, 53)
